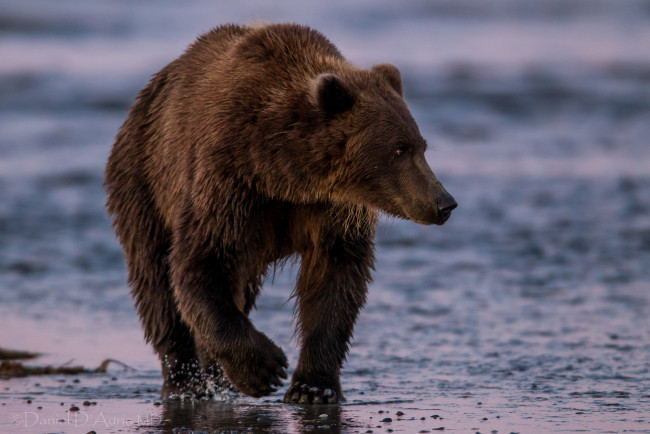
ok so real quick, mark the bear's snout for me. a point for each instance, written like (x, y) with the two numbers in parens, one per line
(445, 204)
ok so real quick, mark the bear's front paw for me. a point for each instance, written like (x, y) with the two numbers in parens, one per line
(304, 394)
(256, 369)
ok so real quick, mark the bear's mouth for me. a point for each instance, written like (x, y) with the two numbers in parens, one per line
(425, 215)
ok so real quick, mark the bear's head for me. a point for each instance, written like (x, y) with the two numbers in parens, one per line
(382, 164)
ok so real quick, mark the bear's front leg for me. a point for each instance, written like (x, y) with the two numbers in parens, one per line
(331, 290)
(207, 281)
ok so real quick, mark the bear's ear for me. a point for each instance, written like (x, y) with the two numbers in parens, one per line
(331, 94)
(391, 74)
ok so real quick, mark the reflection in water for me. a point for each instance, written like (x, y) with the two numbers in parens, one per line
(208, 416)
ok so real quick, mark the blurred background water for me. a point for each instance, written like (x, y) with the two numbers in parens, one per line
(533, 300)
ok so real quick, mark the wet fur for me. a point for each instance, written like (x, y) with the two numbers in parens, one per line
(225, 165)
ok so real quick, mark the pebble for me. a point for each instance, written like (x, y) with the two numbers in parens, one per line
(29, 401)
(323, 416)
(74, 408)
(87, 403)
(400, 413)
(387, 419)
(435, 416)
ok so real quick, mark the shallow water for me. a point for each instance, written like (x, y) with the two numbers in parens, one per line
(527, 312)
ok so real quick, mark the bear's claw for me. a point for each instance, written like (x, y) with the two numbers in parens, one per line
(304, 394)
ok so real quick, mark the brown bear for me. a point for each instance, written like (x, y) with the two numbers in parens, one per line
(259, 144)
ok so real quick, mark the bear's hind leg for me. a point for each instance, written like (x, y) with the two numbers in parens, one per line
(163, 326)
(146, 246)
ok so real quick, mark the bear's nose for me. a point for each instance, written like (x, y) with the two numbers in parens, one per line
(445, 206)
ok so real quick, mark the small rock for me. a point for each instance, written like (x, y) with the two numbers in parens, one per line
(435, 416)
(87, 403)
(156, 403)
(29, 401)
(387, 419)
(323, 416)
(485, 418)
(309, 427)
(323, 427)
(423, 418)
(74, 408)
(400, 413)
(441, 428)
(380, 411)
(39, 407)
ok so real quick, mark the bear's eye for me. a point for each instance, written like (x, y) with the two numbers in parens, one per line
(400, 151)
